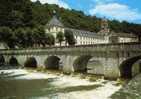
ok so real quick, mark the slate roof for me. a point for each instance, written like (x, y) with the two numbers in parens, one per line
(83, 32)
(55, 22)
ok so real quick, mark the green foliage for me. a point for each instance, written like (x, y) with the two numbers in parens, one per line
(22, 23)
(77, 19)
(24, 13)
(29, 37)
(60, 37)
(6, 35)
(69, 37)
(50, 39)
(125, 27)
(20, 37)
(15, 13)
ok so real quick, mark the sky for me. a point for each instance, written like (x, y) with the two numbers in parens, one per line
(122, 10)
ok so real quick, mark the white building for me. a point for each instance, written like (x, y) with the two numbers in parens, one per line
(86, 37)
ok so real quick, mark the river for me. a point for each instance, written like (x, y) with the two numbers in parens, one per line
(31, 84)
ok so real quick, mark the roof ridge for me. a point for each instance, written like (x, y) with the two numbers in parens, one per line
(55, 22)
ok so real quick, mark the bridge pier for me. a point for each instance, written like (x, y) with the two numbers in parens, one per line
(21, 59)
(111, 69)
(68, 62)
(111, 65)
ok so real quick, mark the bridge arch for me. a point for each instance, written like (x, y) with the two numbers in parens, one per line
(2, 60)
(52, 62)
(31, 62)
(126, 67)
(13, 61)
(80, 64)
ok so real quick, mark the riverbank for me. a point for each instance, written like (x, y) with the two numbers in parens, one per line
(65, 86)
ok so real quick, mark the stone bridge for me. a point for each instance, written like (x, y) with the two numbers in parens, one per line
(110, 60)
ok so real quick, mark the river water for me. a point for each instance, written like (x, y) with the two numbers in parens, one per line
(25, 84)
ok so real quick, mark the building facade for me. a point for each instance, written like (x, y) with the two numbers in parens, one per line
(83, 37)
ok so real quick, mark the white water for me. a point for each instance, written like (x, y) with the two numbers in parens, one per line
(102, 92)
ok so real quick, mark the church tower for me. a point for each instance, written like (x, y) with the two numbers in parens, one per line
(54, 26)
(104, 27)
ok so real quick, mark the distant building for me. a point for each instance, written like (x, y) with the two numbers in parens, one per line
(86, 37)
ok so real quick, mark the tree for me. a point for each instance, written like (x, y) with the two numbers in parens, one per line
(21, 20)
(50, 40)
(36, 37)
(69, 37)
(41, 35)
(60, 37)
(29, 37)
(16, 13)
(20, 37)
(7, 37)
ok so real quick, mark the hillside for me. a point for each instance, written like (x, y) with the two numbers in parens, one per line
(77, 19)
(22, 23)
(24, 13)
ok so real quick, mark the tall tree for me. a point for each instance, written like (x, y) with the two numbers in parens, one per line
(60, 37)
(20, 37)
(69, 37)
(50, 39)
(28, 37)
(15, 13)
(7, 37)
(41, 34)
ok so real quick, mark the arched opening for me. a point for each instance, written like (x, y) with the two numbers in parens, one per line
(2, 60)
(13, 61)
(52, 62)
(127, 66)
(80, 64)
(31, 62)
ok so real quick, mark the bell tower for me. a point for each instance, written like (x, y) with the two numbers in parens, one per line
(104, 26)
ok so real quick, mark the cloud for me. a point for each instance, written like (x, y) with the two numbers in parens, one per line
(102, 1)
(116, 11)
(58, 2)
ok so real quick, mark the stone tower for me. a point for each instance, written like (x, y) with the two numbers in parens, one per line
(54, 26)
(104, 27)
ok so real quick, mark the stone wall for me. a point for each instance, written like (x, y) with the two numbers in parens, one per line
(104, 59)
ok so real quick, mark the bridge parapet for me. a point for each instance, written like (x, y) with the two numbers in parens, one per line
(85, 49)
